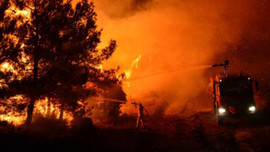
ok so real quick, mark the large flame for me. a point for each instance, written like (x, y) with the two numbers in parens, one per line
(10, 115)
(42, 107)
(48, 109)
(134, 63)
(14, 11)
(7, 67)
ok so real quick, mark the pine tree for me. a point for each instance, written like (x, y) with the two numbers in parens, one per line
(59, 46)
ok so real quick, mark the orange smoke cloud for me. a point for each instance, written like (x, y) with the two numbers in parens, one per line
(172, 35)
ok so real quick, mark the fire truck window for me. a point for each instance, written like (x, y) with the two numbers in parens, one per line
(235, 88)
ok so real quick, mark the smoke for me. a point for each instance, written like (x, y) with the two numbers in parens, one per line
(118, 9)
(183, 34)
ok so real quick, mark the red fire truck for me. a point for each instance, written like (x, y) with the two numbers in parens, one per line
(232, 95)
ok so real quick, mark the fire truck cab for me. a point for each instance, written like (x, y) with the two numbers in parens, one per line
(232, 96)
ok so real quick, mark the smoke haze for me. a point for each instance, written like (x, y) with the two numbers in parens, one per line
(184, 34)
(118, 9)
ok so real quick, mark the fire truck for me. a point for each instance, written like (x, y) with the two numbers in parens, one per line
(233, 95)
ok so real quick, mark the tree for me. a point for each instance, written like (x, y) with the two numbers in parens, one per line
(58, 43)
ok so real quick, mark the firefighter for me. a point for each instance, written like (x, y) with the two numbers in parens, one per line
(140, 117)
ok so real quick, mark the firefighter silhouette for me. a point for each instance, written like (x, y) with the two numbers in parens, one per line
(140, 118)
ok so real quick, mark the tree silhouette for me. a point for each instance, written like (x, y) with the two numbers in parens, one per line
(55, 54)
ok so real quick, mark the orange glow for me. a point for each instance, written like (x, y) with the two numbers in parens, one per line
(170, 35)
(164, 49)
(17, 12)
(15, 120)
(7, 67)
(13, 117)
(42, 107)
(134, 63)
(100, 67)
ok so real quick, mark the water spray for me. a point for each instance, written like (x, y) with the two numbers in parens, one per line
(172, 71)
(114, 100)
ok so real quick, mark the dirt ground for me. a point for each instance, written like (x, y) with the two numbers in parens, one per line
(194, 131)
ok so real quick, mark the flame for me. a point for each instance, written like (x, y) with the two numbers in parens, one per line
(24, 58)
(13, 117)
(134, 63)
(22, 46)
(45, 108)
(100, 67)
(13, 11)
(41, 107)
(7, 67)
(25, 13)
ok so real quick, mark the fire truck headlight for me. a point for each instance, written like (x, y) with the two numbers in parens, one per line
(252, 108)
(221, 110)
